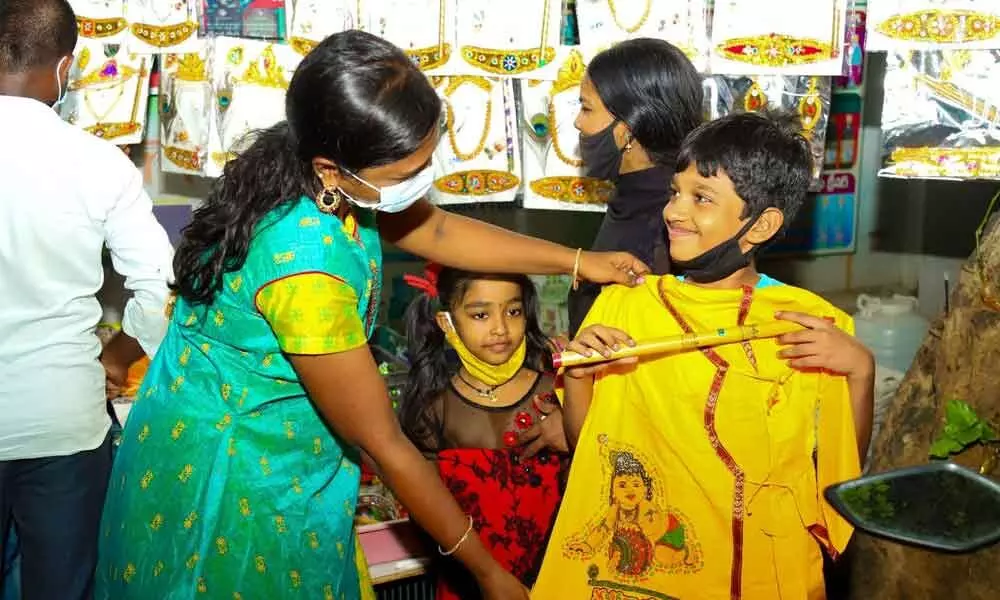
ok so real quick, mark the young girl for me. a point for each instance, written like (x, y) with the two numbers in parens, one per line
(490, 420)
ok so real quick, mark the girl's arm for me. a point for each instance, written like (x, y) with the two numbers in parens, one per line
(460, 242)
(579, 393)
(351, 395)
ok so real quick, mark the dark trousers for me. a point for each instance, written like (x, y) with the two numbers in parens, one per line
(55, 505)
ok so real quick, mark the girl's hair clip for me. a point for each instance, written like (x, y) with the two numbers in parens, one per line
(428, 284)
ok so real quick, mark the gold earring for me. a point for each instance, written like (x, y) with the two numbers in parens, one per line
(328, 201)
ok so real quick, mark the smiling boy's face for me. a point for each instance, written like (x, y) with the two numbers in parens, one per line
(704, 212)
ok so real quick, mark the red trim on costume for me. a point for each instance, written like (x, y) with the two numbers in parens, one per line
(745, 303)
(739, 478)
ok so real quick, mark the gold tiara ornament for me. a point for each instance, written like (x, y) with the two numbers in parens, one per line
(164, 36)
(111, 72)
(572, 189)
(272, 75)
(941, 26)
(430, 57)
(480, 182)
(508, 62)
(100, 28)
(571, 73)
(301, 45)
(191, 67)
(774, 50)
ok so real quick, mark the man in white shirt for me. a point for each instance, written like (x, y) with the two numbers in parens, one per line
(64, 195)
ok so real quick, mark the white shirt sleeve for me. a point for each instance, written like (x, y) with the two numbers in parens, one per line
(142, 254)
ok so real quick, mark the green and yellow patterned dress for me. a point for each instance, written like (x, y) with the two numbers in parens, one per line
(228, 484)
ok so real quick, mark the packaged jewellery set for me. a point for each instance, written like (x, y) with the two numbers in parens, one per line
(509, 74)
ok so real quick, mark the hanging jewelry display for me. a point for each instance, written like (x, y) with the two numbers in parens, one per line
(249, 79)
(515, 38)
(107, 92)
(313, 20)
(184, 99)
(162, 26)
(683, 23)
(791, 37)
(809, 96)
(241, 18)
(424, 29)
(100, 19)
(552, 166)
(941, 114)
(929, 24)
(471, 161)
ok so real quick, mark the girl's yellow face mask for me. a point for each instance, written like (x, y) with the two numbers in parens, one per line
(491, 375)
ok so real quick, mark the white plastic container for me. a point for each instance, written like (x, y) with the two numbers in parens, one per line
(892, 328)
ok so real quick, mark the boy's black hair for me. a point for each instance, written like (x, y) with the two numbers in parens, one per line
(35, 33)
(763, 154)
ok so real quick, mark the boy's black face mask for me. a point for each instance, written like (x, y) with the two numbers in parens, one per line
(602, 158)
(719, 262)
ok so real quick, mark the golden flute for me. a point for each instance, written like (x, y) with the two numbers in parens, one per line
(686, 341)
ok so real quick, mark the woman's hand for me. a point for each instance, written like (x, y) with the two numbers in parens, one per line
(501, 585)
(602, 340)
(612, 267)
(547, 432)
(824, 346)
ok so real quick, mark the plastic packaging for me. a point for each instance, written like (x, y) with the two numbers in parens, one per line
(940, 116)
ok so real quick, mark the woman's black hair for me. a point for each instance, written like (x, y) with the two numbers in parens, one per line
(651, 86)
(356, 100)
(430, 371)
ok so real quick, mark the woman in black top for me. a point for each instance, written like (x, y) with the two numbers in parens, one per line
(639, 99)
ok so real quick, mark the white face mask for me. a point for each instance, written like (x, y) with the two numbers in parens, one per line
(61, 91)
(398, 196)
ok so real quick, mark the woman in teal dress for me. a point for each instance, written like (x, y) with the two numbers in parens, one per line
(238, 472)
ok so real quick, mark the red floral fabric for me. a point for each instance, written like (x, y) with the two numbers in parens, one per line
(512, 503)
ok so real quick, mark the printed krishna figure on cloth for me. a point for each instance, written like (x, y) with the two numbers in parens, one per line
(638, 533)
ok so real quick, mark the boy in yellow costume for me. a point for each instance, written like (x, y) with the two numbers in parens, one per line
(699, 474)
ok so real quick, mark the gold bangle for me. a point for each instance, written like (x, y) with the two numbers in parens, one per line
(576, 268)
(459, 543)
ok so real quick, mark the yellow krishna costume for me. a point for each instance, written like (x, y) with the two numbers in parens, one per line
(699, 475)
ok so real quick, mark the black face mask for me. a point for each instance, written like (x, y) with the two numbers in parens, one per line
(602, 158)
(719, 262)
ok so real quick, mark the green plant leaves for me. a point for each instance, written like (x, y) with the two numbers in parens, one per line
(962, 428)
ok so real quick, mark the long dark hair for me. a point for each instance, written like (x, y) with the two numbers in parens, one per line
(652, 87)
(429, 368)
(355, 100)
